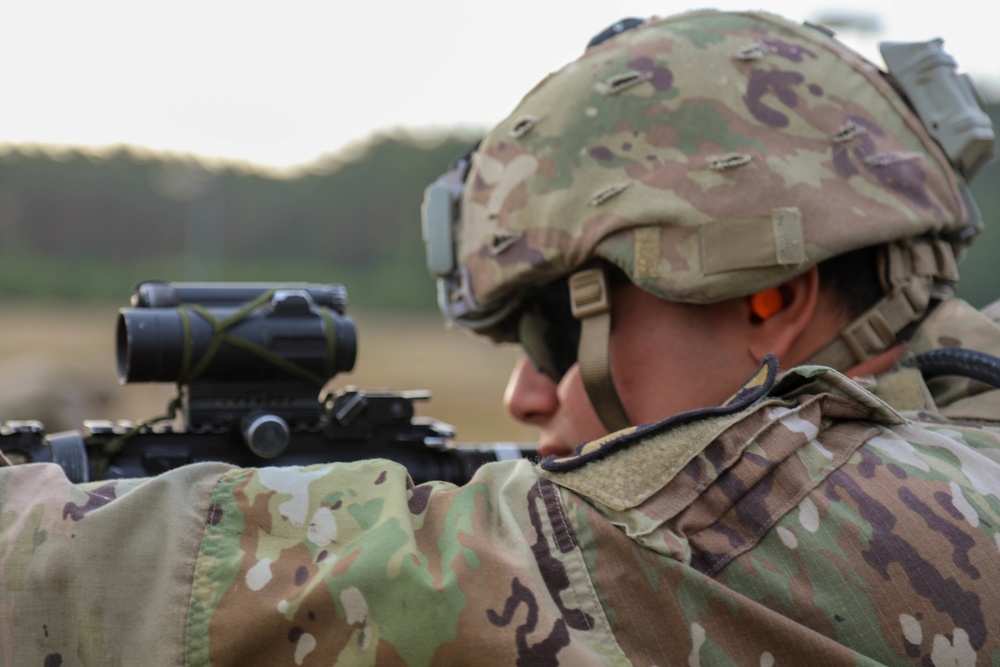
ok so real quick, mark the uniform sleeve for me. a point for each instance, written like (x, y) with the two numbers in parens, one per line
(101, 574)
(338, 564)
(350, 564)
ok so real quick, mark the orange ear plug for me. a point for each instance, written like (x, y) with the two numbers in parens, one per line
(767, 303)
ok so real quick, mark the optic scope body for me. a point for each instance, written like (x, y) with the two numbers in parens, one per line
(185, 332)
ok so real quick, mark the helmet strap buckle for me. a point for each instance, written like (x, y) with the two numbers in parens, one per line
(590, 300)
(915, 272)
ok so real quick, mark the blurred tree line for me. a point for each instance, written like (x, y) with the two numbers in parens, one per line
(84, 225)
(79, 225)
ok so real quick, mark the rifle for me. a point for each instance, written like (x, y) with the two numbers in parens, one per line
(250, 362)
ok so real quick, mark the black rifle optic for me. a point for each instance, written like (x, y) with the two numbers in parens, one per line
(250, 361)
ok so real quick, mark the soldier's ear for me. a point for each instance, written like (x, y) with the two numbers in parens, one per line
(779, 317)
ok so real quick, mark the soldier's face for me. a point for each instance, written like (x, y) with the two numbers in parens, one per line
(665, 358)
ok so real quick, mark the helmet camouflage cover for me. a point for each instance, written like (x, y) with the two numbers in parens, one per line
(709, 155)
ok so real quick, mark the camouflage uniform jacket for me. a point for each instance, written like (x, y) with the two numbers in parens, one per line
(808, 520)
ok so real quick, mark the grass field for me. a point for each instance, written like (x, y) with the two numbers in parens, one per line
(57, 365)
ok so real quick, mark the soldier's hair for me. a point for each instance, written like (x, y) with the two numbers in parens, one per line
(853, 279)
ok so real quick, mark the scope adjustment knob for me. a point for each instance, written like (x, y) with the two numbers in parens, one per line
(266, 435)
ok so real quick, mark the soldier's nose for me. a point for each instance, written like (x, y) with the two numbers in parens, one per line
(530, 396)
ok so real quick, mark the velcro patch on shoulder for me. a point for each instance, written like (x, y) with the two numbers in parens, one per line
(667, 446)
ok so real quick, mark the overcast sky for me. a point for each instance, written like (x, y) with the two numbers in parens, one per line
(281, 83)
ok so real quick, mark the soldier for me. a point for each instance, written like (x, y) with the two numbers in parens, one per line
(693, 202)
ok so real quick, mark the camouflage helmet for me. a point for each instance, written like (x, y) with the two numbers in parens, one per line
(711, 155)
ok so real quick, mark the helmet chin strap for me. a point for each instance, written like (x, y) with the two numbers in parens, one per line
(591, 303)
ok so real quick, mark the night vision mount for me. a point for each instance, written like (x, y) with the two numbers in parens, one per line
(948, 103)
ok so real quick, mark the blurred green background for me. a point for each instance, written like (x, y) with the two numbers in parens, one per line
(87, 226)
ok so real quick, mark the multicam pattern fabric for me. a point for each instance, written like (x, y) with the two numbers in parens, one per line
(710, 155)
(817, 525)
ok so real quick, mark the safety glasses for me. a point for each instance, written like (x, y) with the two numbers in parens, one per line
(548, 332)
